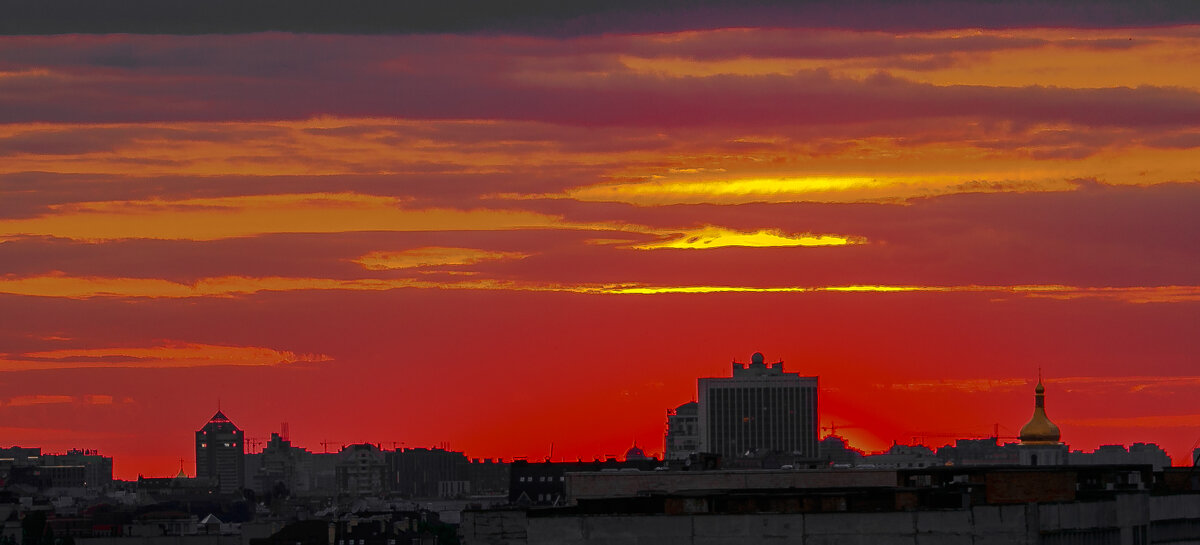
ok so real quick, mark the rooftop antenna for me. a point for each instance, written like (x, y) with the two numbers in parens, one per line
(284, 432)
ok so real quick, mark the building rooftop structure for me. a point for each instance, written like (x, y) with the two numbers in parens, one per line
(1040, 430)
(760, 409)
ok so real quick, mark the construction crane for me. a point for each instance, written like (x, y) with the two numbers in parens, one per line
(833, 427)
(919, 437)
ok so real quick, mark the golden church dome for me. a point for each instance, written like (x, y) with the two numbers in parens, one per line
(1039, 430)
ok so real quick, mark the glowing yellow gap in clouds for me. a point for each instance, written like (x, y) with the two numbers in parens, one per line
(430, 256)
(711, 236)
(648, 290)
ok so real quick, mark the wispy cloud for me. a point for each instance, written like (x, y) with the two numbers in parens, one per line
(959, 385)
(46, 399)
(166, 355)
(27, 400)
(1145, 422)
(431, 256)
(225, 217)
(59, 285)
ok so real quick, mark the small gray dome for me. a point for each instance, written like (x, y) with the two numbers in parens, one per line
(756, 358)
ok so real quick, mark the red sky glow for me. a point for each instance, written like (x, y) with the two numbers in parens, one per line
(507, 239)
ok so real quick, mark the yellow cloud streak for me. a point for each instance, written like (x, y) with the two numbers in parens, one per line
(731, 190)
(436, 255)
(711, 236)
(784, 189)
(230, 286)
(242, 216)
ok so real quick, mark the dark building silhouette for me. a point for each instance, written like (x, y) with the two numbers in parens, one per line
(282, 464)
(488, 476)
(545, 483)
(760, 409)
(361, 471)
(834, 449)
(978, 452)
(97, 469)
(430, 473)
(220, 452)
(683, 432)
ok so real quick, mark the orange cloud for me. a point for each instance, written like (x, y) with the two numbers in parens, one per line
(1026, 57)
(1155, 294)
(226, 217)
(424, 257)
(59, 285)
(961, 385)
(165, 355)
(27, 400)
(41, 399)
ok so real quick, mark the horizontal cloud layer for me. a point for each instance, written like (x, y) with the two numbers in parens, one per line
(622, 199)
(167, 355)
(578, 17)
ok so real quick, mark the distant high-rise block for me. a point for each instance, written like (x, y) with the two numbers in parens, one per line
(683, 432)
(220, 452)
(759, 410)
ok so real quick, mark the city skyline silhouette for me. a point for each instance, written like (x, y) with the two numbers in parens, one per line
(509, 228)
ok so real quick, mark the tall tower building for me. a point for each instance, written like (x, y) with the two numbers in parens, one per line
(759, 410)
(220, 454)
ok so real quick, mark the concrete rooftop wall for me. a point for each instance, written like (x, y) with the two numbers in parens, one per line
(616, 484)
(983, 526)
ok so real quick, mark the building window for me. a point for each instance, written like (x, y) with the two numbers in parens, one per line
(203, 445)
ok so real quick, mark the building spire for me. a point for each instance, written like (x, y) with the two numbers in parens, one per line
(1039, 429)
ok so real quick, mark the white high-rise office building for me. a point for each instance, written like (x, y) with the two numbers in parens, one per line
(759, 410)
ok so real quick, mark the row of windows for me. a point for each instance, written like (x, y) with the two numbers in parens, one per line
(779, 419)
(205, 445)
(542, 479)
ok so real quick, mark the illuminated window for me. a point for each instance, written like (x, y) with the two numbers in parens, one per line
(203, 445)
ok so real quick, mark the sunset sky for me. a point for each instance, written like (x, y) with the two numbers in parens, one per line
(504, 230)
